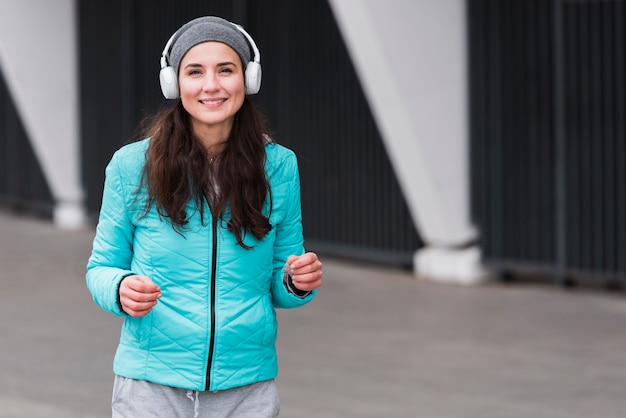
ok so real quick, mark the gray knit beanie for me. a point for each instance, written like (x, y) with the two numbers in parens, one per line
(204, 29)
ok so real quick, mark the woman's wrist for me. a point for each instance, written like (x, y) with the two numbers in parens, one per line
(291, 287)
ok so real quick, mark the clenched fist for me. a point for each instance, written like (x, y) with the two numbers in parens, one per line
(138, 295)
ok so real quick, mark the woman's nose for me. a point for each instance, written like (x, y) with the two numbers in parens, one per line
(210, 82)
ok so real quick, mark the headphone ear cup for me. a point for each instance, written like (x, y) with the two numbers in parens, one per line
(169, 84)
(253, 77)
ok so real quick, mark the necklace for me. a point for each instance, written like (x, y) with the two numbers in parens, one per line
(212, 158)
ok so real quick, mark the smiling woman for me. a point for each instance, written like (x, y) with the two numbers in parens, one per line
(200, 239)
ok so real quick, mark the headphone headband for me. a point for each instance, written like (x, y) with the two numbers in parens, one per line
(257, 55)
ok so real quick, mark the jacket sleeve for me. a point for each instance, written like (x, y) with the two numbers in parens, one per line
(112, 251)
(289, 239)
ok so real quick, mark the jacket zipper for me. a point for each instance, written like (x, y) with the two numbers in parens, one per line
(213, 280)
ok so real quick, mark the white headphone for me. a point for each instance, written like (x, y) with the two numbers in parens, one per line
(169, 80)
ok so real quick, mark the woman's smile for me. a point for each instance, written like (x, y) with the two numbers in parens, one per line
(212, 102)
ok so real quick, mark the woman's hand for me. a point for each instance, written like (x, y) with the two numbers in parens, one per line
(305, 271)
(138, 294)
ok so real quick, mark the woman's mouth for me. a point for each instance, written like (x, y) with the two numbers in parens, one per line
(212, 102)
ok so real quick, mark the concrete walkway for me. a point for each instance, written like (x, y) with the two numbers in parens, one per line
(375, 343)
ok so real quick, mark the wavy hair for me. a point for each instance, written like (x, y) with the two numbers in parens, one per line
(178, 171)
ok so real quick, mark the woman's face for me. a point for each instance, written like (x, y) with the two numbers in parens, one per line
(211, 83)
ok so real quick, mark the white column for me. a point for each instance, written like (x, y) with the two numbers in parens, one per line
(410, 56)
(38, 58)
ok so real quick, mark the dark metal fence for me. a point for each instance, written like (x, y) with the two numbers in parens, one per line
(23, 187)
(547, 136)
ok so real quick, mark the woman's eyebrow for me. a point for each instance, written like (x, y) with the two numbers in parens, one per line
(219, 64)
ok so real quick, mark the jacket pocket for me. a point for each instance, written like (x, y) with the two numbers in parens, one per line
(269, 336)
(136, 331)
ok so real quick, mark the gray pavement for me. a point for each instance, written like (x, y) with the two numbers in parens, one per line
(375, 343)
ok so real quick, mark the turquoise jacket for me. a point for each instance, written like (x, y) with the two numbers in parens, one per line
(214, 327)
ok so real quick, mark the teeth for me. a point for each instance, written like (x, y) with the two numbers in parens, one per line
(212, 102)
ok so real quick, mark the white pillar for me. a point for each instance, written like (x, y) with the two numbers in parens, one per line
(38, 58)
(410, 56)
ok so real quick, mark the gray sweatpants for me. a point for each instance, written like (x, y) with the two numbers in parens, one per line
(139, 399)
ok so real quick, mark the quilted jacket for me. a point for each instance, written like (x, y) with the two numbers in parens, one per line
(214, 327)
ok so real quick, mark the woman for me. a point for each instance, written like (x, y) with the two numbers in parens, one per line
(200, 239)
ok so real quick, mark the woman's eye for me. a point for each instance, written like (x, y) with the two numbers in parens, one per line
(194, 72)
(226, 70)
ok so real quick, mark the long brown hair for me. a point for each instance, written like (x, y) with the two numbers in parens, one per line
(178, 171)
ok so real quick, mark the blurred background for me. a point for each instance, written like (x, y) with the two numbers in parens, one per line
(455, 141)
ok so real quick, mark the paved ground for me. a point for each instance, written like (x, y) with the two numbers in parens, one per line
(375, 343)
